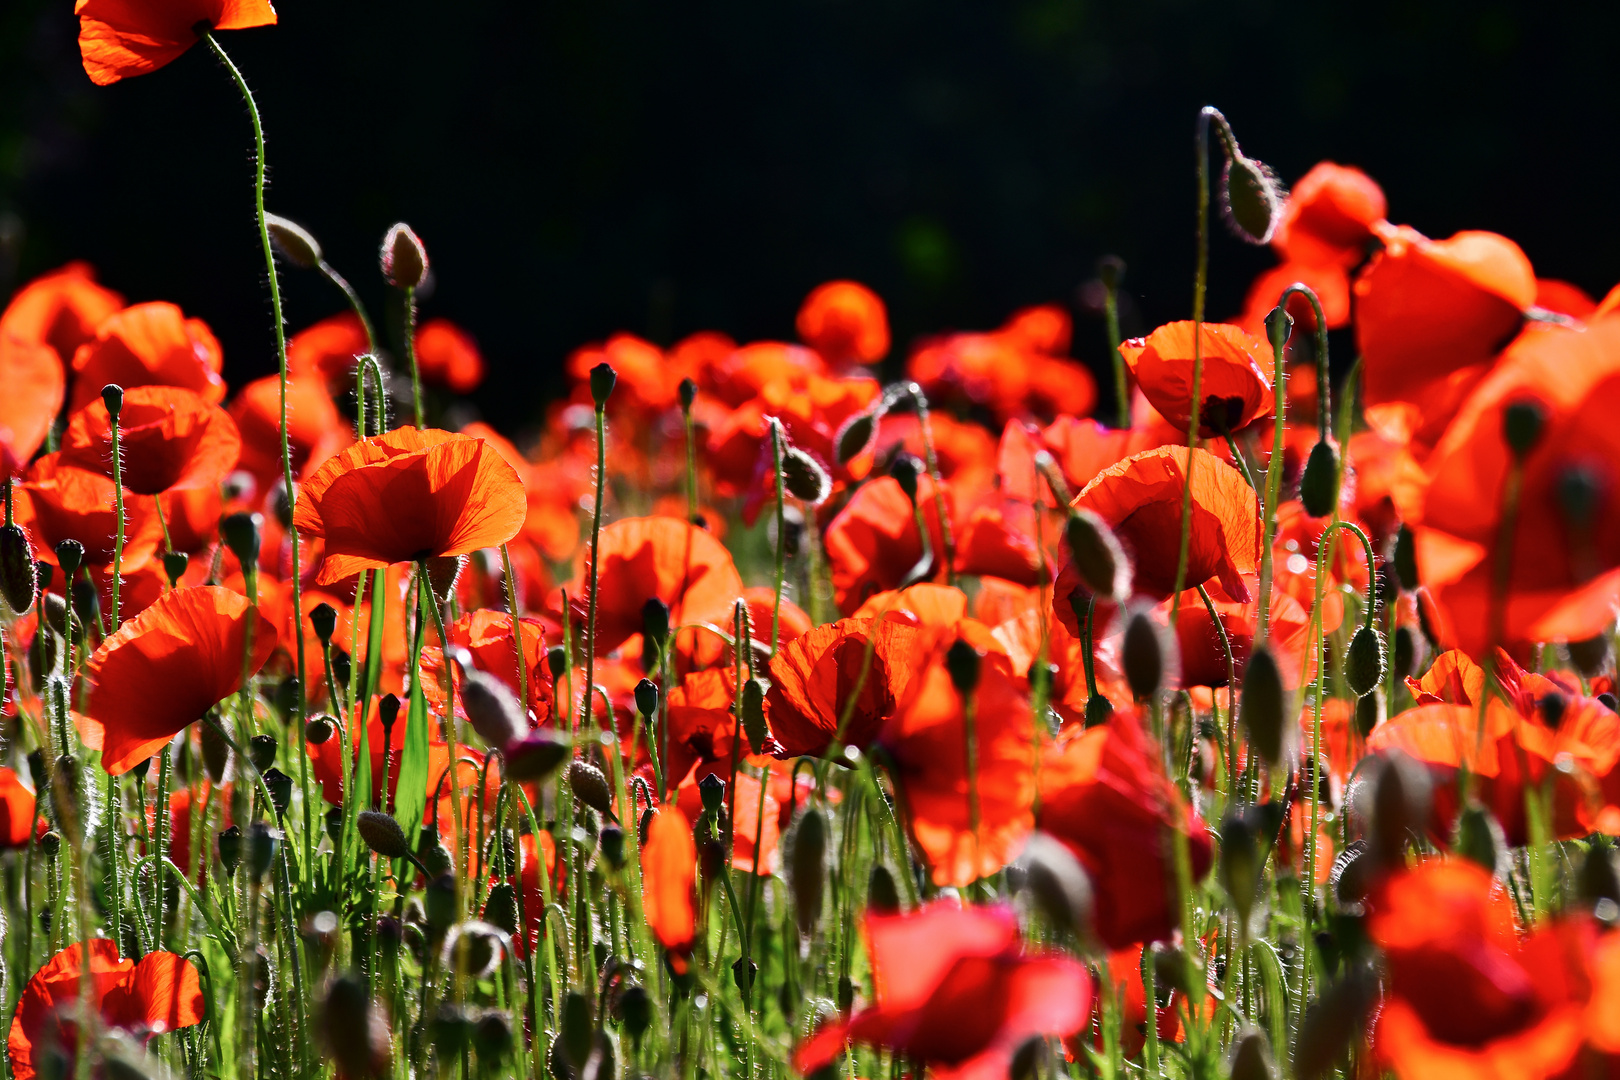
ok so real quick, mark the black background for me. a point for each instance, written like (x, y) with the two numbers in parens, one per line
(577, 167)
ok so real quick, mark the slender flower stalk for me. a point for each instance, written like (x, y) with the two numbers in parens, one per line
(603, 379)
(1200, 279)
(781, 533)
(113, 397)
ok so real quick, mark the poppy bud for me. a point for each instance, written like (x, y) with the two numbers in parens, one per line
(174, 565)
(855, 436)
(112, 396)
(1027, 1059)
(294, 242)
(17, 574)
(804, 477)
(743, 971)
(492, 1037)
(963, 662)
(1364, 661)
(655, 623)
(262, 751)
(474, 947)
(334, 824)
(262, 841)
(382, 834)
(86, 602)
(603, 380)
(1098, 710)
(636, 1009)
(1480, 838)
(1096, 555)
(807, 866)
(1400, 806)
(1111, 271)
(229, 843)
(1523, 421)
(1242, 860)
(535, 756)
(450, 1030)
(240, 532)
(590, 786)
(431, 853)
(404, 259)
(323, 617)
(688, 394)
(1251, 1057)
(387, 713)
(279, 784)
(51, 843)
(216, 753)
(1060, 885)
(492, 710)
(1552, 708)
(556, 661)
(753, 714)
(646, 697)
(1599, 878)
(578, 1026)
(1406, 652)
(442, 573)
(1332, 1022)
(1406, 558)
(439, 902)
(69, 554)
(1369, 711)
(1252, 198)
(1579, 490)
(882, 897)
(905, 469)
(611, 841)
(1319, 484)
(1279, 326)
(1264, 707)
(712, 790)
(1144, 653)
(1590, 657)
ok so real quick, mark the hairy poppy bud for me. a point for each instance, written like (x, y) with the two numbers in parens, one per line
(439, 902)
(807, 866)
(1111, 271)
(906, 469)
(1523, 422)
(216, 753)
(1406, 558)
(240, 532)
(1364, 661)
(963, 662)
(323, 617)
(17, 574)
(382, 834)
(1332, 1022)
(262, 841)
(1264, 708)
(492, 710)
(535, 756)
(1242, 860)
(69, 554)
(1252, 198)
(753, 714)
(611, 843)
(431, 852)
(1480, 838)
(636, 1009)
(1144, 650)
(334, 824)
(294, 242)
(855, 436)
(655, 623)
(603, 380)
(1591, 656)
(450, 1029)
(1279, 326)
(404, 259)
(1319, 484)
(1096, 555)
(1400, 806)
(688, 393)
(804, 477)
(556, 661)
(712, 790)
(578, 1028)
(112, 396)
(262, 751)
(646, 697)
(1369, 710)
(743, 971)
(174, 565)
(474, 947)
(492, 1037)
(590, 786)
(1251, 1057)
(1059, 884)
(882, 897)
(51, 843)
(1098, 710)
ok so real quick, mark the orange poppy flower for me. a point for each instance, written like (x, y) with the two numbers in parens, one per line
(35, 387)
(660, 558)
(487, 636)
(668, 874)
(161, 993)
(702, 729)
(750, 368)
(148, 345)
(1123, 970)
(953, 989)
(407, 495)
(960, 446)
(1203, 659)
(1330, 216)
(813, 681)
(447, 356)
(60, 309)
(1084, 448)
(56, 502)
(1235, 390)
(171, 438)
(647, 384)
(327, 351)
(1465, 994)
(1104, 793)
(1012, 371)
(1331, 284)
(845, 322)
(708, 650)
(873, 544)
(926, 740)
(923, 604)
(19, 821)
(165, 668)
(315, 428)
(119, 39)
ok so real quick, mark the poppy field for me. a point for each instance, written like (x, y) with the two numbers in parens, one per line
(824, 707)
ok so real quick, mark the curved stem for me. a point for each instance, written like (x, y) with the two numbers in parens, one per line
(1273, 492)
(329, 272)
(1324, 385)
(1200, 279)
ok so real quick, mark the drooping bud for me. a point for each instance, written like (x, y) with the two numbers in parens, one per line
(295, 242)
(1059, 884)
(603, 380)
(964, 663)
(1319, 484)
(804, 477)
(323, 617)
(807, 866)
(646, 697)
(1279, 326)
(636, 1009)
(1098, 710)
(1097, 556)
(240, 532)
(611, 843)
(882, 897)
(1369, 711)
(442, 572)
(753, 714)
(906, 469)
(1480, 838)
(1406, 652)
(492, 1037)
(1146, 655)
(1523, 422)
(856, 436)
(262, 751)
(1252, 198)
(1364, 661)
(492, 710)
(1251, 1057)
(404, 259)
(536, 755)
(17, 574)
(382, 834)
(590, 786)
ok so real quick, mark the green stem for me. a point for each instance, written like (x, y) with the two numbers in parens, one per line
(596, 543)
(517, 628)
(410, 354)
(330, 273)
(1122, 386)
(1200, 280)
(1273, 493)
(118, 508)
(781, 533)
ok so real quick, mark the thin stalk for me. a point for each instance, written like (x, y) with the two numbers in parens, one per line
(410, 355)
(1200, 280)
(118, 509)
(596, 543)
(329, 272)
(781, 533)
(1122, 386)
(1273, 492)
(517, 627)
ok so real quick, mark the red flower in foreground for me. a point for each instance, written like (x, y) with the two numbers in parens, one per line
(1233, 390)
(159, 994)
(35, 386)
(165, 668)
(171, 438)
(813, 681)
(873, 544)
(57, 502)
(148, 345)
(446, 355)
(953, 989)
(408, 495)
(845, 322)
(668, 874)
(121, 38)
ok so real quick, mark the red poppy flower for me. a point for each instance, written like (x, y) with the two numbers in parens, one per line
(61, 309)
(750, 368)
(487, 636)
(1084, 448)
(1330, 283)
(1203, 659)
(659, 558)
(407, 495)
(148, 345)
(447, 356)
(171, 438)
(708, 650)
(327, 351)
(845, 322)
(165, 668)
(56, 502)
(1011, 371)
(668, 874)
(35, 386)
(1123, 970)
(161, 993)
(315, 428)
(1104, 793)
(1465, 995)
(1330, 216)
(19, 821)
(813, 679)
(873, 544)
(119, 38)
(960, 446)
(702, 729)
(647, 384)
(1235, 390)
(923, 604)
(530, 854)
(926, 740)
(953, 990)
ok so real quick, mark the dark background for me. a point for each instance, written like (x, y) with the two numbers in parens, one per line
(577, 167)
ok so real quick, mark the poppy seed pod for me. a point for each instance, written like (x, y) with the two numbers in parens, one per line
(804, 477)
(404, 259)
(807, 866)
(882, 896)
(323, 618)
(17, 574)
(712, 790)
(1319, 483)
(240, 532)
(556, 661)
(1059, 884)
(294, 242)
(590, 786)
(603, 380)
(753, 714)
(492, 710)
(905, 469)
(963, 662)
(69, 554)
(646, 697)
(1146, 655)
(1479, 838)
(535, 756)
(1097, 556)
(382, 834)
(174, 565)
(112, 396)
(687, 392)
(1364, 661)
(1523, 422)
(856, 436)
(1251, 1057)
(1264, 708)
(1279, 326)
(262, 751)
(229, 843)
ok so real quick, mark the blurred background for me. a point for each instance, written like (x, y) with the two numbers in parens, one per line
(577, 168)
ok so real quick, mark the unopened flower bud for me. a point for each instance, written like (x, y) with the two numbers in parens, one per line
(655, 624)
(646, 697)
(1251, 1057)
(590, 786)
(855, 436)
(882, 896)
(1599, 877)
(69, 555)
(294, 242)
(501, 909)
(1580, 490)
(1523, 422)
(1480, 838)
(1591, 656)
(1364, 661)
(556, 661)
(492, 710)
(262, 841)
(905, 470)
(807, 866)
(636, 1009)
(1400, 806)
(1406, 652)
(577, 1025)
(1406, 571)
(352, 1030)
(17, 574)
(404, 259)
(492, 1037)
(230, 848)
(174, 566)
(1319, 484)
(1111, 271)
(1264, 707)
(1059, 884)
(603, 380)
(1279, 326)
(687, 392)
(1332, 1023)
(1369, 711)
(279, 784)
(804, 477)
(1241, 863)
(1097, 556)
(439, 902)
(262, 751)
(964, 663)
(535, 756)
(611, 844)
(240, 532)
(323, 618)
(51, 843)
(382, 834)
(1098, 710)
(712, 790)
(753, 714)
(1252, 198)
(1144, 655)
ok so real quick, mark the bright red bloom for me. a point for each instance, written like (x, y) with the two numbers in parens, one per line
(1203, 659)
(668, 874)
(1330, 216)
(315, 428)
(647, 382)
(161, 993)
(1104, 793)
(845, 322)
(35, 386)
(1084, 448)
(487, 636)
(171, 438)
(122, 38)
(407, 495)
(19, 821)
(1330, 282)
(166, 667)
(1012, 371)
(702, 728)
(1564, 298)
(60, 309)
(447, 356)
(1234, 388)
(813, 680)
(953, 989)
(327, 350)
(148, 345)
(923, 604)
(56, 502)
(873, 543)
(708, 650)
